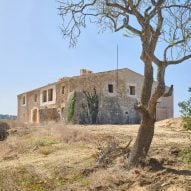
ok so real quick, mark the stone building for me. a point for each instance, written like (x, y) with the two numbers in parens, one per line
(105, 97)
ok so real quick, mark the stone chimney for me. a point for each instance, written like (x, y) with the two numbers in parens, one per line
(84, 72)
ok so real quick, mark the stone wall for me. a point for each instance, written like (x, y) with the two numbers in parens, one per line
(48, 114)
(115, 105)
(111, 110)
(22, 114)
(30, 111)
(116, 110)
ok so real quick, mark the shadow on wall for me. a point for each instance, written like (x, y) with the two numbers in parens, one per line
(89, 109)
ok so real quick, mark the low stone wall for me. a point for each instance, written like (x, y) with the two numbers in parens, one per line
(48, 114)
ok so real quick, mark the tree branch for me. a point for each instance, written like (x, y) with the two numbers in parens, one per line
(136, 13)
(171, 46)
(120, 7)
(179, 60)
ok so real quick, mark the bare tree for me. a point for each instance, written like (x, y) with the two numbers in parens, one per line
(164, 29)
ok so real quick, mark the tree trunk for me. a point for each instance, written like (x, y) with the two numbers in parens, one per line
(143, 141)
(146, 129)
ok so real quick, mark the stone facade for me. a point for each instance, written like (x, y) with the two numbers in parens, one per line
(117, 93)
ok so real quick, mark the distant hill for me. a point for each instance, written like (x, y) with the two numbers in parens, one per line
(6, 116)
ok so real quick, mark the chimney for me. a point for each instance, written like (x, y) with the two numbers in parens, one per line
(84, 72)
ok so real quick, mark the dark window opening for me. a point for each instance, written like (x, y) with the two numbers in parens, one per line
(50, 95)
(110, 88)
(132, 90)
(24, 100)
(63, 89)
(35, 98)
(44, 96)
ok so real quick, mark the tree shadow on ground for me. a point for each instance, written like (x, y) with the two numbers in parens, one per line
(179, 172)
(155, 165)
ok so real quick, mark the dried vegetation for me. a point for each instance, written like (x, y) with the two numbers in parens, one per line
(58, 157)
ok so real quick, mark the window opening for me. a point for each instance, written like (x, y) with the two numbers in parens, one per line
(44, 96)
(132, 90)
(50, 95)
(110, 88)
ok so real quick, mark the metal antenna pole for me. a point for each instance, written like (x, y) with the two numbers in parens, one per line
(117, 67)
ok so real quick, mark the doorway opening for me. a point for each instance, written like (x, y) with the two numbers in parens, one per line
(35, 115)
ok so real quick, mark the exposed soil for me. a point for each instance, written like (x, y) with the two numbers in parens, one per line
(59, 157)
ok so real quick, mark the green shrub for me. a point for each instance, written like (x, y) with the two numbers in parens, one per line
(185, 109)
(187, 123)
(71, 108)
(45, 146)
(45, 142)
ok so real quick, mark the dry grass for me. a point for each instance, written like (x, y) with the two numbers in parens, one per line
(54, 157)
(24, 140)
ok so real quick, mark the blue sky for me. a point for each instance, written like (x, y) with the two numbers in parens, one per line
(33, 52)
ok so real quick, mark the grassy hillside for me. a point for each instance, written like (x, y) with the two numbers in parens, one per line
(61, 157)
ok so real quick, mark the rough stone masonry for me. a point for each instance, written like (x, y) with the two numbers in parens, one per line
(116, 92)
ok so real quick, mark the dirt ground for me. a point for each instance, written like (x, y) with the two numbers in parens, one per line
(59, 157)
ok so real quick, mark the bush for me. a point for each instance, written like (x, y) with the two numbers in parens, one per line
(4, 127)
(185, 109)
(45, 142)
(187, 123)
(71, 108)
